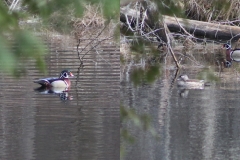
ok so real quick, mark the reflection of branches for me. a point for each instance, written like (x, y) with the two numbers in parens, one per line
(81, 59)
(91, 48)
(94, 47)
(175, 77)
(170, 48)
(193, 60)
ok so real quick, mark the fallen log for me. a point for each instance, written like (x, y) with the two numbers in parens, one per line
(208, 30)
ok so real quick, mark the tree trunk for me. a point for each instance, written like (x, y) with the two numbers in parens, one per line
(197, 28)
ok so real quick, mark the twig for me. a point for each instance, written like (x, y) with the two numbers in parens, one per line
(186, 32)
(194, 61)
(95, 46)
(81, 58)
(79, 40)
(88, 43)
(13, 5)
(170, 48)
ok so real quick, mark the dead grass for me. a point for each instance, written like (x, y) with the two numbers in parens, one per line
(217, 10)
(92, 17)
(92, 24)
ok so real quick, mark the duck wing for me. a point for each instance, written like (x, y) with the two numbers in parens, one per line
(45, 81)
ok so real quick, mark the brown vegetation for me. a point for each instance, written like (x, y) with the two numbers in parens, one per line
(91, 23)
(220, 12)
(216, 10)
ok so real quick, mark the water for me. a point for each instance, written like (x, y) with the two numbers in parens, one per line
(203, 124)
(196, 124)
(34, 125)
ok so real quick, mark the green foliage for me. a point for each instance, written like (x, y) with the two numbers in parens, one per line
(152, 73)
(122, 60)
(111, 9)
(221, 4)
(7, 58)
(208, 75)
(126, 136)
(142, 121)
(139, 46)
(142, 46)
(137, 76)
(169, 7)
(148, 75)
(7, 20)
(60, 22)
(117, 33)
(17, 48)
(46, 8)
(125, 31)
(17, 45)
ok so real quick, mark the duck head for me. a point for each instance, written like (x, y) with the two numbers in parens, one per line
(183, 77)
(66, 74)
(227, 46)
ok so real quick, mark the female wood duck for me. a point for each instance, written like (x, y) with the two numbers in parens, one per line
(62, 81)
(184, 82)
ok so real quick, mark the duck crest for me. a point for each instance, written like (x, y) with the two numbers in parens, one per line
(65, 74)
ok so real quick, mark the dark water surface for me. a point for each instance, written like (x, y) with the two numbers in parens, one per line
(203, 125)
(41, 126)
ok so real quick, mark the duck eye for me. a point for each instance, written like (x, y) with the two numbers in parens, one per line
(65, 74)
(227, 46)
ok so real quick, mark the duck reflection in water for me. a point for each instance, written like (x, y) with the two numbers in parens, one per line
(185, 84)
(56, 85)
(61, 92)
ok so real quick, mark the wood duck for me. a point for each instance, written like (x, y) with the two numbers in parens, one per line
(228, 61)
(184, 82)
(61, 81)
(231, 54)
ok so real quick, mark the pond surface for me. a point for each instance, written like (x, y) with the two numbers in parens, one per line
(34, 125)
(199, 124)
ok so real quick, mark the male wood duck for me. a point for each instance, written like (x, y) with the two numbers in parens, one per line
(228, 61)
(231, 54)
(184, 82)
(61, 81)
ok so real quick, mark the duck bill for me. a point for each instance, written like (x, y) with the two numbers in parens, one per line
(70, 74)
